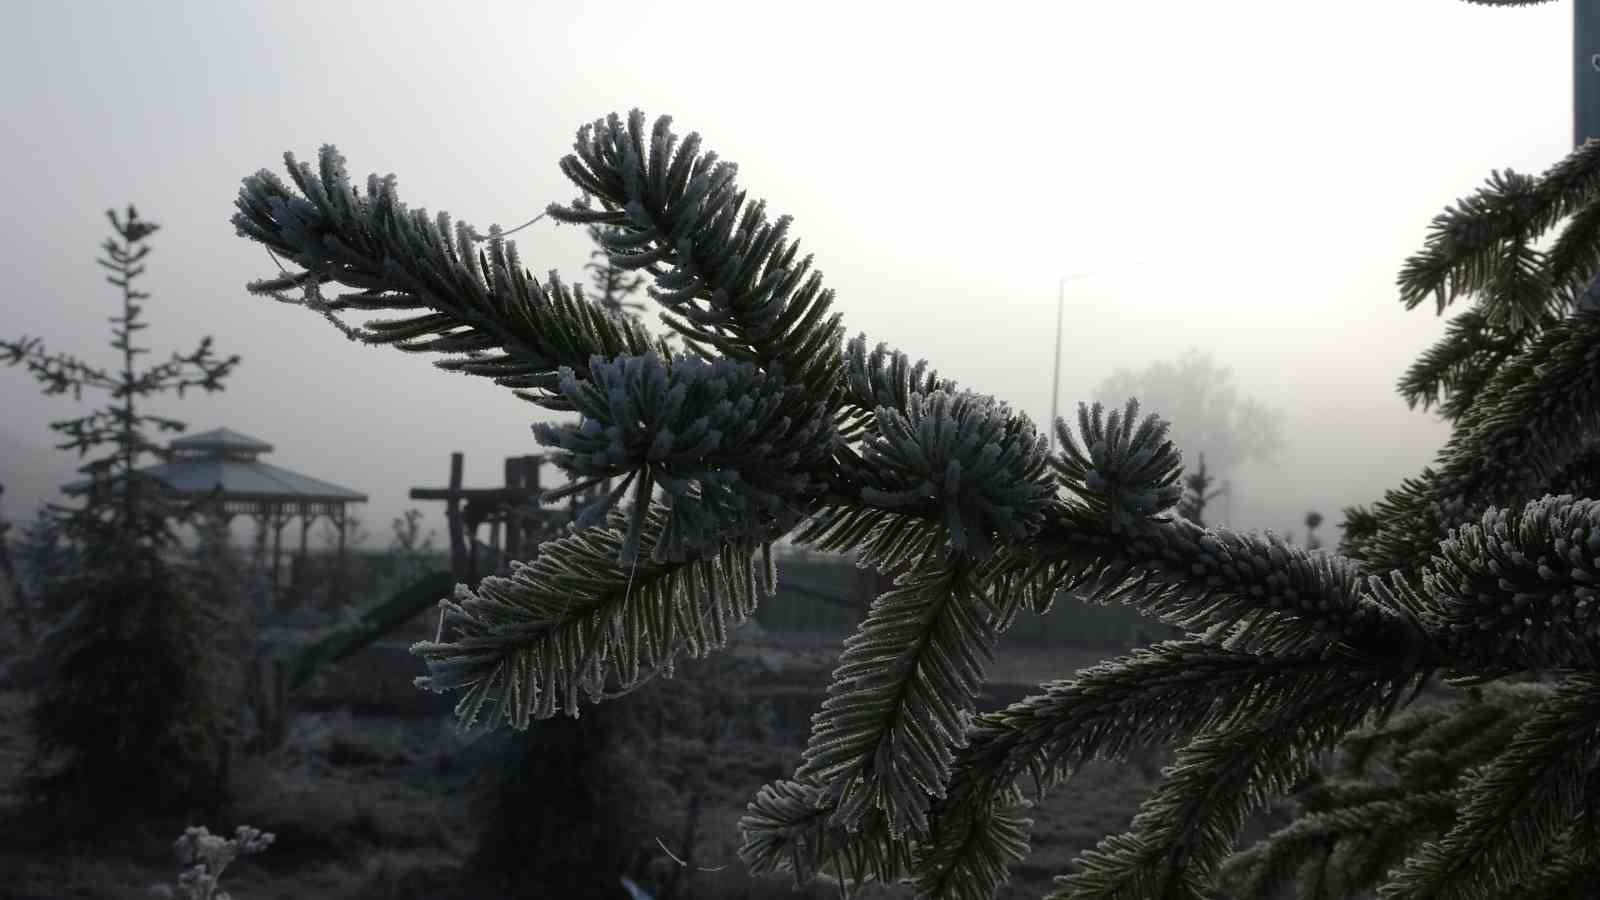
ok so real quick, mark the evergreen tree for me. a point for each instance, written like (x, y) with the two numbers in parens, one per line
(598, 805)
(129, 723)
(1197, 493)
(612, 283)
(1479, 571)
(1313, 519)
(410, 550)
(43, 556)
(11, 590)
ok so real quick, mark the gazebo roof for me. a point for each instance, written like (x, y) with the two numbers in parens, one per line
(220, 439)
(226, 459)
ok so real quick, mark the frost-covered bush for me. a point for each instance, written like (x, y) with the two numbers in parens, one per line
(207, 855)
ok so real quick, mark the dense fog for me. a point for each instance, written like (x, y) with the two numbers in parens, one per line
(1245, 179)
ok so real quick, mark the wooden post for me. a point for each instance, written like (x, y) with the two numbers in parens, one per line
(514, 479)
(532, 469)
(268, 697)
(341, 591)
(219, 788)
(258, 553)
(491, 505)
(280, 705)
(452, 512)
(258, 546)
(255, 698)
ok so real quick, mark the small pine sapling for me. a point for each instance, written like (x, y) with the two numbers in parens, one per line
(130, 709)
(11, 590)
(1197, 493)
(409, 549)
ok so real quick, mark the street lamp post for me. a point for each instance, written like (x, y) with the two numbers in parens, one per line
(1055, 378)
(1055, 381)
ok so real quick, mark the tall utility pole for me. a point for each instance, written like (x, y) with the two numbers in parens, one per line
(1585, 71)
(1055, 381)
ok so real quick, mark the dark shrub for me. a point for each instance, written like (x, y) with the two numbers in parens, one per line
(567, 807)
(127, 726)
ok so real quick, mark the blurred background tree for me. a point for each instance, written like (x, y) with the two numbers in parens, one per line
(612, 283)
(410, 549)
(1197, 493)
(1313, 519)
(12, 597)
(1207, 415)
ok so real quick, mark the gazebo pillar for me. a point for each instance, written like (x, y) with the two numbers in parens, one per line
(459, 563)
(340, 592)
(304, 562)
(258, 551)
(278, 521)
(216, 519)
(513, 547)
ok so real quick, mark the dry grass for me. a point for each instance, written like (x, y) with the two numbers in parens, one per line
(368, 806)
(329, 796)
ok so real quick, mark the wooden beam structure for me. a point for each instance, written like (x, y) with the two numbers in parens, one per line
(511, 510)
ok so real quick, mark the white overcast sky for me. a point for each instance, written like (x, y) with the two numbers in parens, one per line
(1244, 177)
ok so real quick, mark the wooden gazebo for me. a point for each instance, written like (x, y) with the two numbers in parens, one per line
(273, 496)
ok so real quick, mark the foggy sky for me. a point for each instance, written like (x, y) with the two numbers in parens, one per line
(1243, 177)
